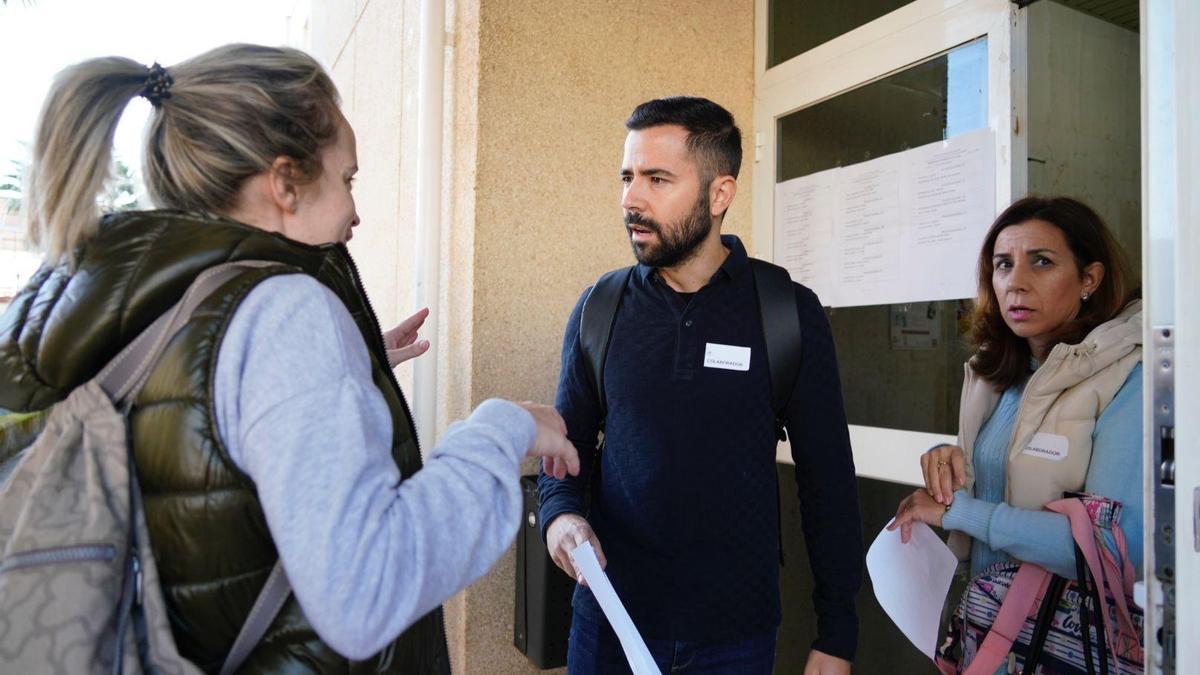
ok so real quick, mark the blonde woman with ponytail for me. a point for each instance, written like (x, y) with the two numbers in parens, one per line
(272, 428)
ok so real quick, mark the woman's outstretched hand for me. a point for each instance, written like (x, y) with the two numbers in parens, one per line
(402, 343)
(559, 456)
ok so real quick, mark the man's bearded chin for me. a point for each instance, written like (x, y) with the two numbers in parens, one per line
(677, 244)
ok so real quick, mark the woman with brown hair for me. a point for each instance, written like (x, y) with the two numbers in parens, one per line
(1051, 400)
(272, 428)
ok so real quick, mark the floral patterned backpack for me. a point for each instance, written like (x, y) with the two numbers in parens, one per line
(1028, 620)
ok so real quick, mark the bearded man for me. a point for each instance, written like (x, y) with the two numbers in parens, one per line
(683, 507)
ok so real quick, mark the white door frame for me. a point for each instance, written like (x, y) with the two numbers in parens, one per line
(913, 33)
(1171, 249)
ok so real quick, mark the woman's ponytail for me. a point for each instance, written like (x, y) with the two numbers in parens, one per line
(220, 118)
(72, 151)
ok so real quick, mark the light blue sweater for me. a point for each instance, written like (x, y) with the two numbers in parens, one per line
(366, 553)
(1001, 532)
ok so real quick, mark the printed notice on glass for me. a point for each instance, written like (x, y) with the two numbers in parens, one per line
(804, 230)
(898, 229)
(866, 237)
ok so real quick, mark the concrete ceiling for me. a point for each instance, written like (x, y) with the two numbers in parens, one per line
(1123, 13)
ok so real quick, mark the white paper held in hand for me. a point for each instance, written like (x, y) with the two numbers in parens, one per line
(636, 652)
(911, 582)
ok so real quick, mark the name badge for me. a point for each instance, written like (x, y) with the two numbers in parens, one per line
(1047, 446)
(726, 357)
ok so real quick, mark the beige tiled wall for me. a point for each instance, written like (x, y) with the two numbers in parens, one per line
(370, 50)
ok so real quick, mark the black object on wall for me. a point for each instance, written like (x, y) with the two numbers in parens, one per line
(542, 617)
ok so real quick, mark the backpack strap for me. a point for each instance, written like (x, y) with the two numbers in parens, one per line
(1105, 572)
(781, 332)
(596, 321)
(1041, 628)
(270, 600)
(123, 378)
(1028, 587)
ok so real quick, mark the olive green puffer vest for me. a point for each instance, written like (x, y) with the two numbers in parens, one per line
(207, 528)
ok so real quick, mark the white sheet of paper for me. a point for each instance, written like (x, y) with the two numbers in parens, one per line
(911, 582)
(631, 641)
(902, 228)
(804, 230)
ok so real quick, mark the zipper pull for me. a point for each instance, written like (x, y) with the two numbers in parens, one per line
(137, 580)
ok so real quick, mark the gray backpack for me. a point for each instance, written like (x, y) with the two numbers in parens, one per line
(79, 588)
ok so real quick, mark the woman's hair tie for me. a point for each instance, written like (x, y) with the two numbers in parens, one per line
(158, 85)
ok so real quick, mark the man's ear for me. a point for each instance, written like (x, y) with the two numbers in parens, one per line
(721, 192)
(282, 184)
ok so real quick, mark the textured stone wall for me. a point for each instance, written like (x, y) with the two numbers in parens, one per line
(556, 82)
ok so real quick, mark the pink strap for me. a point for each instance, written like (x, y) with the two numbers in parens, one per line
(1127, 567)
(1027, 590)
(1111, 573)
(1083, 530)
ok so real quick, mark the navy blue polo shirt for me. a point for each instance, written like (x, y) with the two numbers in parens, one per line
(686, 506)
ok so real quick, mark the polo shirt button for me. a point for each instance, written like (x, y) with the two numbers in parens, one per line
(688, 323)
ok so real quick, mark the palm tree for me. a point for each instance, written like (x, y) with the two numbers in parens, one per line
(120, 192)
(11, 185)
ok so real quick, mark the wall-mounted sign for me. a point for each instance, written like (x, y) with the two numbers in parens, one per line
(916, 326)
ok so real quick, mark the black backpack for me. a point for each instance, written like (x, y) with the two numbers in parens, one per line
(780, 325)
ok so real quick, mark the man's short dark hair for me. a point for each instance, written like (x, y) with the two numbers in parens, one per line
(712, 135)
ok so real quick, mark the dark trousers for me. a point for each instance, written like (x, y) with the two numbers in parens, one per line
(594, 649)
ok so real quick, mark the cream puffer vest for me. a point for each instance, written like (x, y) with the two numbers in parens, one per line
(1051, 445)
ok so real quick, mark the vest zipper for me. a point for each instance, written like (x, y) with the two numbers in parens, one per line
(445, 638)
(381, 345)
(62, 554)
